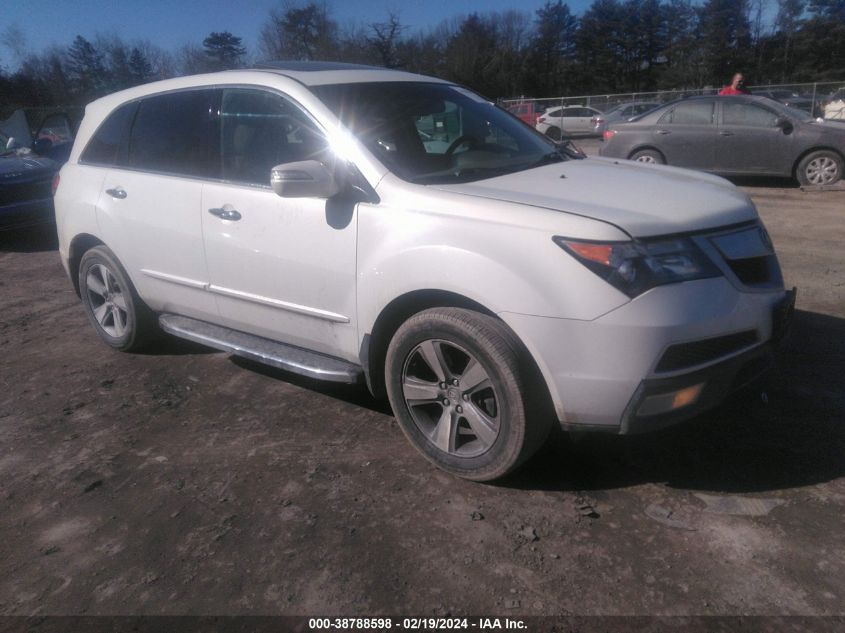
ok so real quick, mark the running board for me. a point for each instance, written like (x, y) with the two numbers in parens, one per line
(293, 359)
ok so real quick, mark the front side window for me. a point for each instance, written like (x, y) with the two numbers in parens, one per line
(172, 134)
(260, 130)
(436, 133)
(738, 113)
(690, 113)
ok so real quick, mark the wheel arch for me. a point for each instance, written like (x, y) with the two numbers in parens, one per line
(641, 148)
(79, 245)
(374, 344)
(817, 148)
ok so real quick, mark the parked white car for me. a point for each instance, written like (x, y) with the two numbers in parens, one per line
(303, 215)
(568, 121)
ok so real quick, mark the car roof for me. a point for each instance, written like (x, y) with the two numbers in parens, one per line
(630, 103)
(325, 73)
(750, 97)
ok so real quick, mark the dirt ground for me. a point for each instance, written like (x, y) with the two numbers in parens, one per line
(185, 481)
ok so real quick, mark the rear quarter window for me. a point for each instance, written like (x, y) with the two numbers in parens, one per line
(690, 113)
(105, 147)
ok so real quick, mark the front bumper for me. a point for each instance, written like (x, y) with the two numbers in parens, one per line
(600, 372)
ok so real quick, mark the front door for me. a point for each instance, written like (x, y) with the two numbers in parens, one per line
(750, 140)
(281, 268)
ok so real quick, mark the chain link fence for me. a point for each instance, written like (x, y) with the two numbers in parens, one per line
(820, 98)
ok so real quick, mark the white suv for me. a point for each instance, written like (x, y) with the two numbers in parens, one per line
(343, 222)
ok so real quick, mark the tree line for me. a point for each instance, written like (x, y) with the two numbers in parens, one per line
(614, 46)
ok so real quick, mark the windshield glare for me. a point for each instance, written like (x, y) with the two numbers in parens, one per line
(437, 133)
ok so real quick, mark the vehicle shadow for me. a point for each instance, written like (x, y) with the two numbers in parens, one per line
(767, 182)
(789, 431)
(355, 394)
(166, 345)
(38, 238)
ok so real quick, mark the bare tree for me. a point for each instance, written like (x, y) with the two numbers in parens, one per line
(192, 60)
(385, 39)
(14, 40)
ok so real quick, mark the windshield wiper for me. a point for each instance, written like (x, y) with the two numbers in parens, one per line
(548, 159)
(462, 175)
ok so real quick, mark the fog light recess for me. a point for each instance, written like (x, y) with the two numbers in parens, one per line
(670, 401)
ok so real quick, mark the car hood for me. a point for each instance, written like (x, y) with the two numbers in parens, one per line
(16, 166)
(643, 200)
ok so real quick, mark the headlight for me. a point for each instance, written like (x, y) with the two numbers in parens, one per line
(636, 266)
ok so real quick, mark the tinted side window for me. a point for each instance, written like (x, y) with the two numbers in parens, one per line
(261, 130)
(735, 113)
(104, 148)
(171, 134)
(690, 113)
(555, 112)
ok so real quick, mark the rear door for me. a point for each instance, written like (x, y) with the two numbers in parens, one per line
(577, 120)
(750, 141)
(686, 134)
(149, 208)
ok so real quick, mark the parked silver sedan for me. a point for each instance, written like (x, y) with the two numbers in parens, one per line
(735, 135)
(622, 112)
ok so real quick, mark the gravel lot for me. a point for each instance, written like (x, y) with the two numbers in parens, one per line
(185, 481)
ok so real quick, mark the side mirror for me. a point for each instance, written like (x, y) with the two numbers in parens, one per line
(784, 124)
(304, 179)
(42, 145)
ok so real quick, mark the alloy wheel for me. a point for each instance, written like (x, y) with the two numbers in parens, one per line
(108, 302)
(451, 398)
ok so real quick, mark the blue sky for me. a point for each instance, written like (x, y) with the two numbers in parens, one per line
(173, 23)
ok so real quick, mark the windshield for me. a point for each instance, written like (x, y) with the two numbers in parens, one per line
(793, 113)
(437, 133)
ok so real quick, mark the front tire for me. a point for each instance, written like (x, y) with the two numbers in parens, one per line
(553, 133)
(456, 382)
(819, 168)
(113, 306)
(650, 156)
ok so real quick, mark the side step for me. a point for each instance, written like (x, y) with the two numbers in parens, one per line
(262, 350)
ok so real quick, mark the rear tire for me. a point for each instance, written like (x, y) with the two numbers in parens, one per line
(119, 316)
(650, 156)
(822, 167)
(553, 133)
(459, 386)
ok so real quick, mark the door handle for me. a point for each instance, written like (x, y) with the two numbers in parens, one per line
(664, 132)
(725, 133)
(116, 192)
(225, 214)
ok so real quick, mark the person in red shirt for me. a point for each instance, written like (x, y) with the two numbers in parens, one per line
(737, 87)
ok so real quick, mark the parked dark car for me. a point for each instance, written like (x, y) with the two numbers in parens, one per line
(27, 168)
(734, 135)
